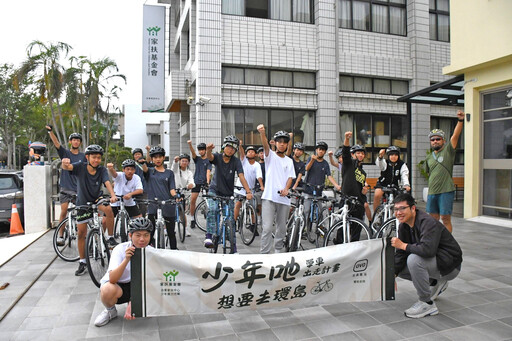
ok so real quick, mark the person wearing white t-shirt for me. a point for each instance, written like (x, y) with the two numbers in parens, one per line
(126, 184)
(279, 174)
(184, 178)
(115, 285)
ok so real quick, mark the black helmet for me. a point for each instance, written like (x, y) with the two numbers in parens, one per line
(140, 224)
(94, 149)
(75, 136)
(250, 148)
(338, 153)
(357, 148)
(137, 150)
(232, 141)
(128, 163)
(321, 145)
(38, 147)
(201, 145)
(299, 146)
(184, 156)
(260, 150)
(393, 149)
(156, 150)
(282, 134)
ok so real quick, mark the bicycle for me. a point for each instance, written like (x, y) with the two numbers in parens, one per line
(181, 221)
(315, 214)
(161, 240)
(201, 212)
(384, 213)
(322, 286)
(121, 222)
(225, 230)
(247, 222)
(69, 250)
(295, 223)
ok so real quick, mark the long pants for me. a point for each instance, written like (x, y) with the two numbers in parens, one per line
(270, 212)
(420, 270)
(169, 226)
(308, 198)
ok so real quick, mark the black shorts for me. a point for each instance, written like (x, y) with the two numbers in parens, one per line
(67, 196)
(126, 296)
(133, 211)
(84, 215)
(197, 189)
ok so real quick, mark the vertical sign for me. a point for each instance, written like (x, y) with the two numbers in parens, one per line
(153, 58)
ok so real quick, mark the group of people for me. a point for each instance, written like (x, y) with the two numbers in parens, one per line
(426, 251)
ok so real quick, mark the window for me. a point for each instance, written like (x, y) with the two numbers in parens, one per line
(439, 20)
(256, 77)
(287, 10)
(373, 85)
(376, 132)
(231, 75)
(281, 78)
(242, 123)
(380, 16)
(447, 124)
(278, 78)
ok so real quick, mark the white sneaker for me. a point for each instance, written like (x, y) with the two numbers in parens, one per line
(438, 288)
(187, 232)
(105, 316)
(421, 309)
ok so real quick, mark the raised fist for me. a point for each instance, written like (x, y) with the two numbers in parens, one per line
(261, 128)
(348, 135)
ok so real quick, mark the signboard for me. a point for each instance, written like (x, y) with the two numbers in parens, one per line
(169, 282)
(153, 58)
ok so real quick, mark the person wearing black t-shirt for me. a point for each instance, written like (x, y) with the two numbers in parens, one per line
(201, 175)
(298, 165)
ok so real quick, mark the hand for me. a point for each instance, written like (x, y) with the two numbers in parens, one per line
(397, 243)
(261, 129)
(272, 142)
(330, 152)
(66, 162)
(284, 192)
(148, 147)
(189, 141)
(49, 127)
(210, 146)
(110, 165)
(141, 160)
(460, 115)
(314, 157)
(127, 196)
(113, 199)
(249, 196)
(348, 135)
(176, 159)
(364, 190)
(241, 142)
(381, 153)
(291, 136)
(128, 313)
(408, 188)
(262, 189)
(338, 187)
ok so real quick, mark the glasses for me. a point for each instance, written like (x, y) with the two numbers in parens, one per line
(400, 209)
(436, 139)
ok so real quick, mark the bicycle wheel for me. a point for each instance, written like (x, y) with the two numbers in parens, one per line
(378, 218)
(200, 215)
(321, 222)
(248, 225)
(160, 227)
(97, 255)
(312, 223)
(181, 224)
(388, 229)
(231, 235)
(356, 226)
(294, 240)
(69, 250)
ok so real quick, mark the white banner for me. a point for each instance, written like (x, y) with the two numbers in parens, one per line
(168, 282)
(153, 58)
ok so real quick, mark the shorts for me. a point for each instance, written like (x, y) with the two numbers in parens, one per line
(441, 203)
(83, 215)
(197, 189)
(67, 196)
(257, 196)
(126, 296)
(133, 211)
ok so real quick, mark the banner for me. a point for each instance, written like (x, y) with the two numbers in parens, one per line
(169, 282)
(153, 58)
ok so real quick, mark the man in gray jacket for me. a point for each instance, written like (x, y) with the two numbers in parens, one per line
(426, 253)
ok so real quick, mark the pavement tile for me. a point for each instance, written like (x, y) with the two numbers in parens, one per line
(494, 329)
(248, 323)
(358, 321)
(465, 333)
(32, 335)
(38, 323)
(202, 318)
(441, 322)
(64, 333)
(311, 314)
(495, 310)
(388, 315)
(178, 333)
(341, 309)
(293, 332)
(467, 316)
(166, 322)
(142, 335)
(378, 333)
(327, 326)
(258, 335)
(348, 336)
(411, 327)
(281, 319)
(215, 328)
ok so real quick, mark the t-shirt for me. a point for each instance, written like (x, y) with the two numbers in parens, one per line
(278, 170)
(223, 182)
(123, 186)
(67, 180)
(159, 185)
(116, 258)
(316, 175)
(140, 173)
(262, 165)
(440, 169)
(202, 165)
(88, 185)
(251, 174)
(353, 175)
(299, 167)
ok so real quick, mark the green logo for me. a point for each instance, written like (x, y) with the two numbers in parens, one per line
(172, 274)
(153, 31)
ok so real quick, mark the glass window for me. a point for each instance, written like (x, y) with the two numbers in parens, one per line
(380, 19)
(399, 87)
(256, 77)
(381, 132)
(344, 14)
(361, 15)
(236, 7)
(281, 9)
(399, 131)
(281, 78)
(304, 80)
(256, 8)
(443, 5)
(443, 28)
(304, 127)
(346, 83)
(362, 84)
(496, 193)
(302, 11)
(254, 117)
(439, 19)
(397, 20)
(363, 129)
(232, 75)
(382, 86)
(232, 122)
(280, 120)
(386, 16)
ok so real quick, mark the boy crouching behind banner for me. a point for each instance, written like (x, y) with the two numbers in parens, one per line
(115, 285)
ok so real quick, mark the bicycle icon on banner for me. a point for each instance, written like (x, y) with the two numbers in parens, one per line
(322, 286)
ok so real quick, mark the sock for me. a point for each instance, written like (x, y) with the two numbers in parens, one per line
(83, 261)
(429, 302)
(433, 282)
(112, 308)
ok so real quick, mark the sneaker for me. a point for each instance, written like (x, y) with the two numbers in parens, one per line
(82, 268)
(187, 232)
(60, 241)
(438, 288)
(208, 243)
(112, 242)
(105, 316)
(192, 224)
(421, 309)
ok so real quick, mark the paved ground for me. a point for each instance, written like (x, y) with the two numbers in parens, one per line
(476, 306)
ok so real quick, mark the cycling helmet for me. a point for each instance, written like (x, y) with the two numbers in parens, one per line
(38, 147)
(140, 224)
(338, 153)
(232, 141)
(128, 163)
(393, 150)
(94, 149)
(137, 150)
(184, 156)
(436, 132)
(282, 134)
(321, 145)
(156, 150)
(250, 148)
(201, 146)
(260, 150)
(299, 146)
(75, 136)
(357, 148)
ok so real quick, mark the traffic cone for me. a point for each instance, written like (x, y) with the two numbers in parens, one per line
(16, 227)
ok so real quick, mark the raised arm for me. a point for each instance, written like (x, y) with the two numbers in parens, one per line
(192, 150)
(54, 138)
(264, 140)
(331, 159)
(209, 149)
(241, 150)
(66, 164)
(289, 149)
(458, 129)
(111, 170)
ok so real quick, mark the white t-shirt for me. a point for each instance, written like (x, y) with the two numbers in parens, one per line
(122, 187)
(116, 258)
(182, 178)
(277, 172)
(251, 173)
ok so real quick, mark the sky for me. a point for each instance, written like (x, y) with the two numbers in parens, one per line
(94, 28)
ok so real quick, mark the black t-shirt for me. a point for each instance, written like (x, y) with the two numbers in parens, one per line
(67, 180)
(223, 182)
(202, 165)
(140, 173)
(316, 175)
(88, 185)
(354, 177)
(300, 168)
(159, 185)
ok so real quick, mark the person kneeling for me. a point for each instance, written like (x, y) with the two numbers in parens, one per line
(115, 285)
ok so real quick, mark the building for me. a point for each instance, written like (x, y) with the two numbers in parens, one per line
(316, 68)
(482, 52)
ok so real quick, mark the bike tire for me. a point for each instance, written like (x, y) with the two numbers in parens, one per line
(231, 234)
(160, 235)
(312, 233)
(97, 257)
(378, 218)
(69, 251)
(388, 229)
(181, 224)
(123, 228)
(295, 238)
(201, 214)
(328, 286)
(354, 225)
(311, 224)
(248, 233)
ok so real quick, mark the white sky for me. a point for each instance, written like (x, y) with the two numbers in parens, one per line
(94, 28)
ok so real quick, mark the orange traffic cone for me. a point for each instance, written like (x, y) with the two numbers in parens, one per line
(16, 227)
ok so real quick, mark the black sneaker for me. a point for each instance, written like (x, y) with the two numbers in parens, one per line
(192, 224)
(112, 242)
(82, 268)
